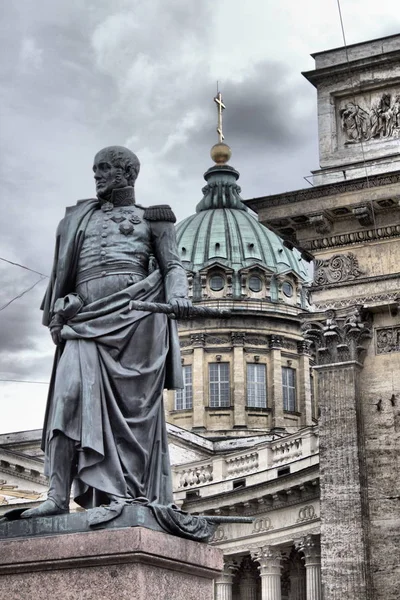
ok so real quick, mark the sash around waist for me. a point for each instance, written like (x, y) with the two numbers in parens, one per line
(104, 270)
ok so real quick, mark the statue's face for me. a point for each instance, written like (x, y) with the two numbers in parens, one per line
(107, 176)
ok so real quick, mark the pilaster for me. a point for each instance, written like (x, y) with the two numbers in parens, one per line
(338, 341)
(304, 388)
(239, 395)
(198, 342)
(269, 559)
(275, 345)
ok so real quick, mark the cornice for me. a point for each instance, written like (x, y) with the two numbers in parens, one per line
(322, 191)
(337, 71)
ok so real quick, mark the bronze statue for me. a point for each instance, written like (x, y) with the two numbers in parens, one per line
(104, 426)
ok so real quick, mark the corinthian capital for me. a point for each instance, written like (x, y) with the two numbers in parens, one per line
(269, 559)
(338, 336)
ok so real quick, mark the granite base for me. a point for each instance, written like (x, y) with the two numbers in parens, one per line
(109, 564)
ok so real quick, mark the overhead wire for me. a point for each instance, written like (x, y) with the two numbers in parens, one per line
(22, 293)
(354, 100)
(23, 381)
(10, 262)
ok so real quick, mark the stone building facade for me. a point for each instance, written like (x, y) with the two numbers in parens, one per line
(350, 221)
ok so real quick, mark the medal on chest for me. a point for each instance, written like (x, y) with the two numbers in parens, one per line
(126, 220)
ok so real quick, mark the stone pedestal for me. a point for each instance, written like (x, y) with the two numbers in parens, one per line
(109, 564)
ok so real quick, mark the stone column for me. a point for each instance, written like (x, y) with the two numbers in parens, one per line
(275, 344)
(198, 342)
(297, 587)
(310, 547)
(223, 583)
(297, 578)
(338, 344)
(248, 581)
(269, 558)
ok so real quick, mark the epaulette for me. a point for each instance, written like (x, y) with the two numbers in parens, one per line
(159, 212)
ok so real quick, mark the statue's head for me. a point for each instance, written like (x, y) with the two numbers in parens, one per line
(114, 167)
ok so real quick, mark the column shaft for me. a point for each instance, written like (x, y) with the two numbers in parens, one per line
(343, 548)
(271, 587)
(313, 582)
(223, 590)
(248, 589)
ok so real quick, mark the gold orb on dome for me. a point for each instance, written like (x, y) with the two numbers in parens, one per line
(220, 153)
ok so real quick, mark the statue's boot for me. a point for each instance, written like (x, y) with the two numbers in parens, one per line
(62, 462)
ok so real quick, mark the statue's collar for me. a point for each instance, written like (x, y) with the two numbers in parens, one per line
(121, 197)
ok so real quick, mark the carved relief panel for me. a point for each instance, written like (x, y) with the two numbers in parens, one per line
(369, 116)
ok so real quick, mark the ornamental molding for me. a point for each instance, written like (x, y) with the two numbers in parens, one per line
(374, 299)
(355, 237)
(338, 339)
(336, 269)
(322, 191)
(306, 513)
(262, 524)
(387, 340)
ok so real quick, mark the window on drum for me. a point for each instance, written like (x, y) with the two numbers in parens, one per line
(256, 385)
(289, 389)
(184, 398)
(219, 384)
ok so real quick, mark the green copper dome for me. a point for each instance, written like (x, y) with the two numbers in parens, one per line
(223, 231)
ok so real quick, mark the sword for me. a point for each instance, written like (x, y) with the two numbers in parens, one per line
(167, 309)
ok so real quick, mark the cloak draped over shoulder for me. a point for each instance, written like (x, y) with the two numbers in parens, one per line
(108, 377)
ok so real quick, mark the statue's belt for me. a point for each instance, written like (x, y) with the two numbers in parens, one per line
(104, 270)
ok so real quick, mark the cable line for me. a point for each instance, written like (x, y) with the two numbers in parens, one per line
(10, 262)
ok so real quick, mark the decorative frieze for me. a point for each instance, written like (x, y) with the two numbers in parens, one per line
(185, 342)
(339, 339)
(384, 298)
(255, 341)
(387, 340)
(337, 268)
(216, 340)
(378, 117)
(355, 237)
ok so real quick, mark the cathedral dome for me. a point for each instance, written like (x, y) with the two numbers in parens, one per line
(224, 236)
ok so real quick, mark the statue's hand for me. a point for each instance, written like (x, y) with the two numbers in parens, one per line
(182, 307)
(55, 333)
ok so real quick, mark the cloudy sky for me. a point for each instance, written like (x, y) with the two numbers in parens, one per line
(79, 75)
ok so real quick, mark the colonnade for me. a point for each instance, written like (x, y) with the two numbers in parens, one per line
(268, 559)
